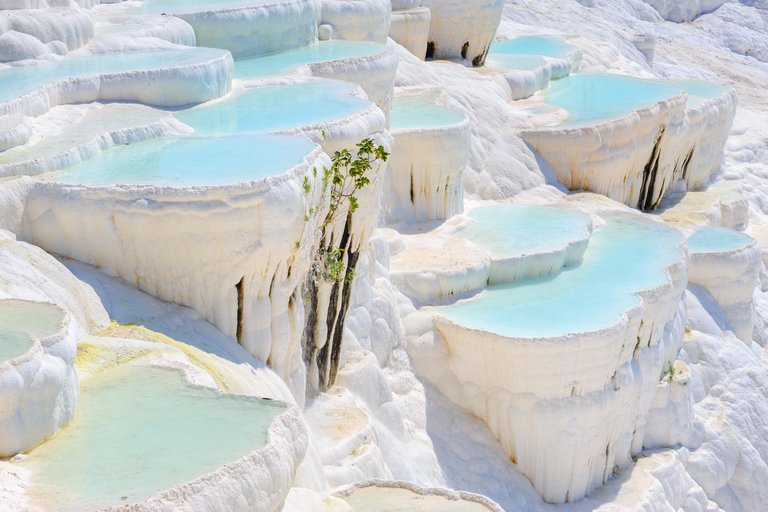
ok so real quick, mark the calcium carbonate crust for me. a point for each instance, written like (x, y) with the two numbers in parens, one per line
(491, 505)
(357, 20)
(29, 34)
(410, 29)
(426, 172)
(258, 482)
(39, 389)
(14, 131)
(731, 277)
(257, 29)
(585, 393)
(171, 86)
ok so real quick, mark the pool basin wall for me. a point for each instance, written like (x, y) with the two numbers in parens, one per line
(38, 390)
(162, 87)
(539, 395)
(357, 20)
(410, 28)
(460, 29)
(264, 28)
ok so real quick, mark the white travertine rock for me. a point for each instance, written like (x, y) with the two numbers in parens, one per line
(38, 389)
(357, 20)
(635, 159)
(257, 29)
(525, 82)
(410, 29)
(32, 34)
(171, 86)
(14, 131)
(461, 29)
(102, 128)
(670, 418)
(168, 28)
(730, 275)
(645, 45)
(426, 171)
(684, 10)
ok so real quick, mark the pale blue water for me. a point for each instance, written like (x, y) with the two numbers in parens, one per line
(21, 323)
(183, 6)
(699, 90)
(283, 63)
(547, 46)
(519, 229)
(420, 111)
(232, 142)
(717, 239)
(140, 430)
(516, 62)
(624, 256)
(590, 99)
(18, 81)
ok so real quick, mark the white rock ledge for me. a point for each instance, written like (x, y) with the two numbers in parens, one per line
(171, 86)
(14, 131)
(39, 389)
(410, 28)
(463, 29)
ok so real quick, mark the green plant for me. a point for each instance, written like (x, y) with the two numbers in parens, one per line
(343, 179)
(671, 369)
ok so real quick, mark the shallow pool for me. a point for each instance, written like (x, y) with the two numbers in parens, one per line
(387, 499)
(699, 91)
(586, 296)
(283, 63)
(519, 229)
(185, 6)
(591, 99)
(140, 430)
(546, 46)
(18, 81)
(21, 323)
(515, 62)
(232, 142)
(717, 239)
(421, 111)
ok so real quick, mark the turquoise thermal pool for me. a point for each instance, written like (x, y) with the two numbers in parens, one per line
(186, 6)
(699, 91)
(420, 111)
(283, 63)
(231, 143)
(591, 99)
(506, 230)
(21, 80)
(21, 323)
(140, 430)
(717, 239)
(515, 62)
(584, 297)
(546, 46)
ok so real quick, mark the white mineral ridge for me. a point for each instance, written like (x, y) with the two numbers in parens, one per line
(453, 37)
(410, 29)
(39, 389)
(684, 10)
(31, 34)
(172, 86)
(14, 131)
(357, 20)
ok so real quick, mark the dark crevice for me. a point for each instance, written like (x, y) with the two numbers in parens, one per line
(413, 192)
(687, 163)
(430, 50)
(650, 172)
(479, 59)
(240, 301)
(464, 50)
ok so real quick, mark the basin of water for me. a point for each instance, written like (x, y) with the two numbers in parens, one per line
(283, 63)
(584, 297)
(186, 6)
(508, 230)
(421, 111)
(546, 46)
(140, 430)
(699, 91)
(21, 323)
(591, 99)
(515, 62)
(231, 143)
(21, 80)
(717, 239)
(386, 499)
